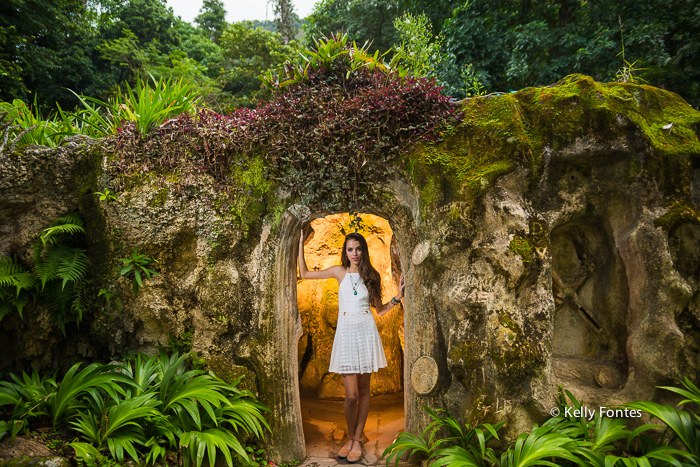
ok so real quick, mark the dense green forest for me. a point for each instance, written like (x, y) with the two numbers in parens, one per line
(51, 49)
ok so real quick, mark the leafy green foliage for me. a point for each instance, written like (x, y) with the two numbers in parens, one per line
(536, 447)
(106, 196)
(27, 399)
(61, 228)
(151, 22)
(17, 286)
(684, 425)
(58, 279)
(248, 53)
(27, 126)
(69, 396)
(463, 445)
(45, 47)
(421, 52)
(146, 106)
(345, 117)
(329, 136)
(142, 409)
(212, 19)
(570, 438)
(473, 87)
(516, 45)
(62, 269)
(364, 22)
(135, 267)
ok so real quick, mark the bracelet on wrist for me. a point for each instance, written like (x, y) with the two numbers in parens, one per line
(394, 301)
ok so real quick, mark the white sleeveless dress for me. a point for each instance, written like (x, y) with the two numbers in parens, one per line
(357, 347)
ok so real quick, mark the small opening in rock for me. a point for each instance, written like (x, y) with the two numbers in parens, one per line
(321, 392)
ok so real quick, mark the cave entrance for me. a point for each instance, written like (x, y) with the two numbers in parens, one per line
(321, 392)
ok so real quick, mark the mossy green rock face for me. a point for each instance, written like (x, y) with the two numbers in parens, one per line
(550, 239)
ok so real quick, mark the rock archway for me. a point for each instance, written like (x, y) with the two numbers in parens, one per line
(281, 391)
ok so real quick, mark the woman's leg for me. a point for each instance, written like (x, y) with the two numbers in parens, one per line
(351, 409)
(362, 403)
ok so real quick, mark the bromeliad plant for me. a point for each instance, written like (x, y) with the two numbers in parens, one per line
(145, 106)
(21, 125)
(135, 268)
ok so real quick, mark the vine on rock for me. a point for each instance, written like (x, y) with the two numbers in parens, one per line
(332, 132)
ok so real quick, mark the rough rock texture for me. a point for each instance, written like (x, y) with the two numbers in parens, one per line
(552, 238)
(318, 306)
(23, 448)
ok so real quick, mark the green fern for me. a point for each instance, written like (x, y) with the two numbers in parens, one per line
(73, 266)
(62, 262)
(12, 274)
(60, 269)
(63, 226)
(69, 224)
(66, 304)
(17, 286)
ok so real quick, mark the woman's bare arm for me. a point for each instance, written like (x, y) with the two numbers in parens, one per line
(384, 308)
(333, 272)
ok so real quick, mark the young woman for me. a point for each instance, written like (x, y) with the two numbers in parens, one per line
(357, 348)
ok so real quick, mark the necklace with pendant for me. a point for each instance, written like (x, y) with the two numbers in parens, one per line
(354, 283)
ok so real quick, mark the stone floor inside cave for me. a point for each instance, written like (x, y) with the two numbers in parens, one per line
(324, 429)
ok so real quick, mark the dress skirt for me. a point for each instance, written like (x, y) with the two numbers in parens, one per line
(357, 347)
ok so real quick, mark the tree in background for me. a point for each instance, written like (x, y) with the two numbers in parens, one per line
(518, 44)
(421, 51)
(508, 45)
(364, 21)
(212, 19)
(45, 47)
(197, 45)
(151, 21)
(437, 11)
(95, 47)
(284, 20)
(247, 54)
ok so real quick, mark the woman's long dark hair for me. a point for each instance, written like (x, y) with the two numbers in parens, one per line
(369, 275)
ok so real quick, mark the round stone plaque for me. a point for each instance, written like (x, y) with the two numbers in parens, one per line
(424, 375)
(421, 252)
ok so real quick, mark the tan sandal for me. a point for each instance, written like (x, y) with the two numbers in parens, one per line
(345, 451)
(354, 456)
